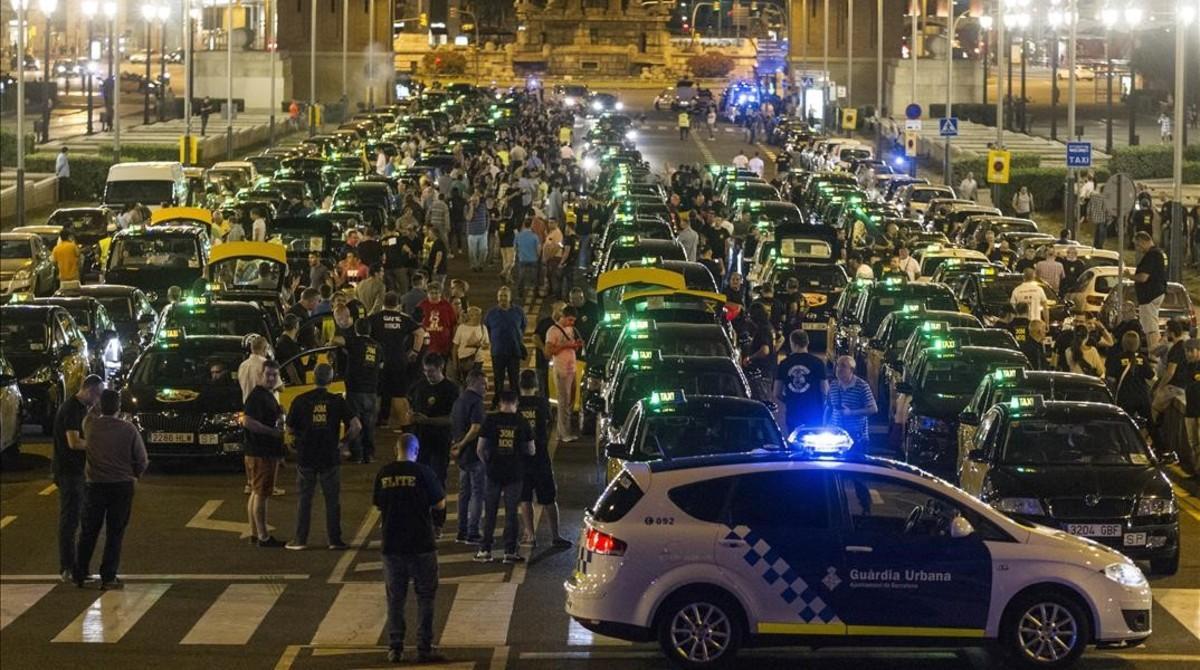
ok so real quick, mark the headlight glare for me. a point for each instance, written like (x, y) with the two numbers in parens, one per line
(1125, 574)
(1153, 506)
(1030, 506)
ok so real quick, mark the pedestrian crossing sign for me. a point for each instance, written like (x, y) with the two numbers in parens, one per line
(849, 119)
(948, 126)
(997, 169)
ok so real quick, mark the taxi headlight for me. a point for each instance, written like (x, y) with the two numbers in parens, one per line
(1030, 506)
(22, 276)
(1154, 506)
(619, 106)
(1125, 574)
(42, 375)
(229, 420)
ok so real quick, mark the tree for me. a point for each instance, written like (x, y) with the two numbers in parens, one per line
(710, 65)
(444, 61)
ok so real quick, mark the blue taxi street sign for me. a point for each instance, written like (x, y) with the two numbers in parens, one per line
(1079, 154)
(948, 126)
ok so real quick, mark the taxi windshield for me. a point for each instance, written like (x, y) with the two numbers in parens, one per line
(638, 386)
(252, 273)
(299, 240)
(681, 435)
(216, 320)
(1095, 442)
(186, 368)
(951, 377)
(157, 251)
(819, 277)
(17, 335)
(15, 249)
(119, 309)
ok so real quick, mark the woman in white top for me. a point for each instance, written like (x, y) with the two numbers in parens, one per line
(1082, 357)
(470, 341)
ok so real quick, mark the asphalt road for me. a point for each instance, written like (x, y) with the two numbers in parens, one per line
(198, 596)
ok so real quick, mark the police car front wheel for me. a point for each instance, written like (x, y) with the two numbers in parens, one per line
(700, 629)
(1045, 629)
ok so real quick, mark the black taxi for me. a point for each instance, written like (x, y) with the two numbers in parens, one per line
(49, 357)
(104, 342)
(156, 258)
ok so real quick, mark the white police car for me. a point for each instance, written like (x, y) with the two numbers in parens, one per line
(710, 554)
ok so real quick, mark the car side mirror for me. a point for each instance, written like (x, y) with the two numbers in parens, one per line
(977, 455)
(904, 387)
(960, 528)
(595, 405)
(968, 417)
(616, 450)
(1168, 458)
(6, 379)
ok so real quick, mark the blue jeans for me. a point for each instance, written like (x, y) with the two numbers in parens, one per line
(472, 487)
(422, 569)
(512, 495)
(527, 275)
(70, 511)
(477, 250)
(330, 481)
(365, 406)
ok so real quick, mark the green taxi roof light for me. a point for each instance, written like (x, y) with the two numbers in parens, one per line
(934, 326)
(895, 280)
(642, 354)
(1027, 403)
(638, 324)
(667, 397)
(627, 240)
(944, 345)
(1006, 374)
(913, 307)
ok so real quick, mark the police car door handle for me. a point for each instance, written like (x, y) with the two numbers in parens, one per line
(732, 543)
(859, 549)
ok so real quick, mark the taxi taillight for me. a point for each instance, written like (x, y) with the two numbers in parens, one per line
(599, 542)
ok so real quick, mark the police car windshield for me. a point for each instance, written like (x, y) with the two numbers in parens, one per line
(18, 249)
(180, 368)
(18, 335)
(155, 251)
(1095, 442)
(693, 434)
(217, 320)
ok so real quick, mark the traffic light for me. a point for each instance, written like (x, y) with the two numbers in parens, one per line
(998, 163)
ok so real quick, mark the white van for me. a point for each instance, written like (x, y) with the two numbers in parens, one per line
(152, 184)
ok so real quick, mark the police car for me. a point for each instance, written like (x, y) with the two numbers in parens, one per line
(1080, 467)
(710, 554)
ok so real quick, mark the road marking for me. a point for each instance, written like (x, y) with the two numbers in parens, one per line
(15, 599)
(204, 521)
(578, 636)
(113, 614)
(479, 615)
(708, 155)
(1183, 604)
(235, 615)
(7, 520)
(356, 617)
(338, 576)
(48, 490)
(187, 577)
(482, 578)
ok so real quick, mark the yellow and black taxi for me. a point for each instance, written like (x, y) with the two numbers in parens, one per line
(632, 247)
(183, 395)
(49, 356)
(156, 258)
(676, 306)
(812, 548)
(671, 424)
(254, 272)
(941, 384)
(987, 290)
(937, 324)
(104, 342)
(1004, 383)
(1080, 467)
(695, 275)
(25, 265)
(670, 338)
(877, 300)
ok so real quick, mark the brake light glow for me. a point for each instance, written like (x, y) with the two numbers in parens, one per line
(599, 542)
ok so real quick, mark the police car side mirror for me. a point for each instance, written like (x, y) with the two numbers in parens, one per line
(977, 455)
(960, 528)
(616, 450)
(968, 417)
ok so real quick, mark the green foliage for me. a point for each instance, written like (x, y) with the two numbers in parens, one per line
(1153, 161)
(1046, 184)
(88, 173)
(444, 61)
(1191, 172)
(8, 147)
(978, 166)
(710, 65)
(143, 152)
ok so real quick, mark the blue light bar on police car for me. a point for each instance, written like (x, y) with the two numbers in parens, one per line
(822, 442)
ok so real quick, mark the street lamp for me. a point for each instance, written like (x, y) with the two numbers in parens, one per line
(985, 24)
(47, 7)
(1185, 15)
(89, 8)
(1016, 19)
(1109, 17)
(114, 104)
(19, 8)
(1056, 18)
(164, 13)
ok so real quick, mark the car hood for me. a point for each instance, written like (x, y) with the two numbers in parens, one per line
(1073, 481)
(140, 398)
(944, 406)
(25, 364)
(11, 265)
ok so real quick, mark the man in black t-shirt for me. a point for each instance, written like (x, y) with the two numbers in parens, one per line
(412, 504)
(1191, 459)
(432, 402)
(401, 338)
(314, 420)
(537, 470)
(1150, 283)
(263, 423)
(1129, 374)
(504, 439)
(364, 360)
(70, 457)
(287, 348)
(801, 384)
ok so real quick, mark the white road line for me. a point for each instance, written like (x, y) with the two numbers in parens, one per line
(443, 559)
(203, 520)
(113, 614)
(7, 520)
(15, 599)
(1184, 605)
(356, 617)
(188, 577)
(578, 636)
(360, 540)
(479, 615)
(235, 615)
(48, 490)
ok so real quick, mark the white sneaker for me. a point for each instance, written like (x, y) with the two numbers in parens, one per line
(295, 546)
(483, 557)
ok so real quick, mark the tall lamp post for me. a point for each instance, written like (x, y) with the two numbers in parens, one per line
(47, 7)
(1016, 18)
(986, 22)
(1055, 18)
(1185, 15)
(114, 78)
(164, 13)
(89, 8)
(19, 7)
(312, 70)
(149, 13)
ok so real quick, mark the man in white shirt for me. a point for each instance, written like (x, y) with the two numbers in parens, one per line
(859, 269)
(688, 238)
(258, 229)
(1029, 298)
(908, 265)
(566, 153)
(250, 372)
(740, 161)
(756, 164)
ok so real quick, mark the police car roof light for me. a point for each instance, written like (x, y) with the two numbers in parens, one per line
(822, 442)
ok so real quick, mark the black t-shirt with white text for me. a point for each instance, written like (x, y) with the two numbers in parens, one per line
(505, 435)
(801, 375)
(536, 411)
(405, 493)
(315, 418)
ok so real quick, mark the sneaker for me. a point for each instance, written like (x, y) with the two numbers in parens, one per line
(528, 542)
(429, 656)
(338, 546)
(395, 655)
(67, 576)
(295, 546)
(482, 556)
(114, 584)
(514, 558)
(271, 542)
(561, 543)
(277, 491)
(246, 490)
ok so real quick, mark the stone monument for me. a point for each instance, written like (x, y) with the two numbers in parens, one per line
(600, 38)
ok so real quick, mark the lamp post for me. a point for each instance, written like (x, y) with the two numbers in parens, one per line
(345, 43)
(825, 66)
(914, 8)
(149, 13)
(1017, 20)
(229, 81)
(89, 9)
(1185, 15)
(999, 22)
(1055, 18)
(1109, 17)
(19, 7)
(312, 69)
(850, 56)
(110, 11)
(47, 7)
(273, 47)
(1133, 17)
(190, 16)
(985, 24)
(1070, 213)
(164, 13)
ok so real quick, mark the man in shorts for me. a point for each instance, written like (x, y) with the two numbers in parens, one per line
(1150, 284)
(538, 471)
(263, 422)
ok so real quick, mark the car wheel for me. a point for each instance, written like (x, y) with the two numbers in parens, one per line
(1165, 566)
(1045, 629)
(700, 628)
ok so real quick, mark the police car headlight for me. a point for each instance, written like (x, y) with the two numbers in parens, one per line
(1125, 574)
(619, 106)
(1155, 506)
(1030, 506)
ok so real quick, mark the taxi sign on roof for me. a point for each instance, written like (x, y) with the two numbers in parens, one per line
(1031, 403)
(934, 326)
(673, 397)
(1007, 374)
(913, 307)
(944, 345)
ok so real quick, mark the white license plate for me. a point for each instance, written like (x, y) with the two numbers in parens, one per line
(1094, 529)
(1135, 539)
(173, 438)
(210, 438)
(231, 447)
(814, 326)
